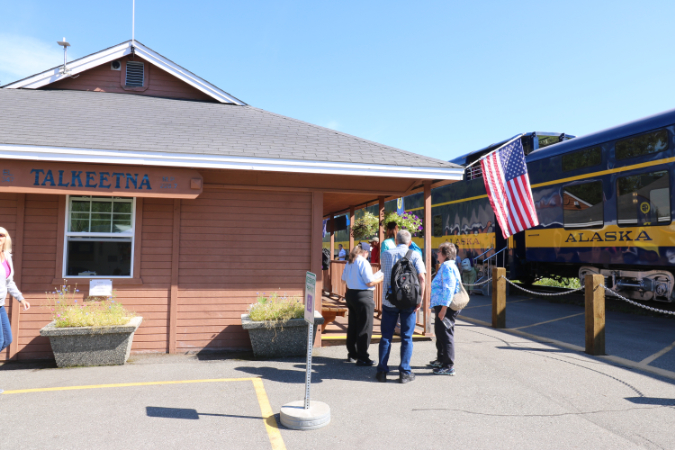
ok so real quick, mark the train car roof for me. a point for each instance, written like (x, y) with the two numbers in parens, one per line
(471, 156)
(627, 129)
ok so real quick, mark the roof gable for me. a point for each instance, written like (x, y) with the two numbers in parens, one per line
(78, 66)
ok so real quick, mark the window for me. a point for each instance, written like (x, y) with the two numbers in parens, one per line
(585, 158)
(644, 199)
(583, 205)
(99, 237)
(438, 226)
(642, 145)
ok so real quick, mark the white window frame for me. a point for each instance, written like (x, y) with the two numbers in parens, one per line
(129, 234)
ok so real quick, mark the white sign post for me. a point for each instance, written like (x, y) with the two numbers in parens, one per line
(307, 415)
(310, 292)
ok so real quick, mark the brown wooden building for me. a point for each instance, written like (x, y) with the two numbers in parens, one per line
(131, 168)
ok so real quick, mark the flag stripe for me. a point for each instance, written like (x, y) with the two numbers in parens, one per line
(492, 187)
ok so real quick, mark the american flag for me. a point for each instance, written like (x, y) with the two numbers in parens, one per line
(508, 188)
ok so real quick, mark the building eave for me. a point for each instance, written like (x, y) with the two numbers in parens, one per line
(63, 154)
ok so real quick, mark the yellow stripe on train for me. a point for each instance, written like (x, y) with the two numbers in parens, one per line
(649, 238)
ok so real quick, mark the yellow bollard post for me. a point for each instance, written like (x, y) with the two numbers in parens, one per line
(498, 297)
(595, 314)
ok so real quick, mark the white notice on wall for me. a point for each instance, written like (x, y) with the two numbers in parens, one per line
(100, 288)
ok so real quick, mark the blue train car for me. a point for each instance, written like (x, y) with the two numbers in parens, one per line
(604, 203)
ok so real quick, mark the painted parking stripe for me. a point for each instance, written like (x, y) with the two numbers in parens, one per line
(650, 359)
(548, 321)
(271, 426)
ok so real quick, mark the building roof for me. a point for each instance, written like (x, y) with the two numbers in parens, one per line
(106, 128)
(118, 51)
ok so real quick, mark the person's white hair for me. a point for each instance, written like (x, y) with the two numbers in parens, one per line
(403, 237)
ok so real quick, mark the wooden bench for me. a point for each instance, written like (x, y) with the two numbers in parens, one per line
(329, 314)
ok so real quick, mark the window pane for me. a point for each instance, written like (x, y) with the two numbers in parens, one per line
(642, 145)
(644, 199)
(79, 206)
(101, 206)
(98, 258)
(583, 206)
(122, 207)
(584, 158)
(121, 223)
(79, 223)
(101, 223)
(438, 226)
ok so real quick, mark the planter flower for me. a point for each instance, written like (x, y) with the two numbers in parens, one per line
(276, 326)
(94, 332)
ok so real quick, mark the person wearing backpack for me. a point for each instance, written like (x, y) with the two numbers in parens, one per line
(402, 293)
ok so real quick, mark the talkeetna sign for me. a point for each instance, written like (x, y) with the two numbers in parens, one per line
(99, 179)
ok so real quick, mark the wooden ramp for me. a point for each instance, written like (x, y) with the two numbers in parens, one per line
(336, 331)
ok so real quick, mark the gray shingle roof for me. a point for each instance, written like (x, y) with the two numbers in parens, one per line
(104, 121)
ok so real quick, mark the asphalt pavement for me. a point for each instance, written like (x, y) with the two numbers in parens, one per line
(511, 391)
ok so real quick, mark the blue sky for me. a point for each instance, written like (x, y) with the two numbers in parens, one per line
(436, 78)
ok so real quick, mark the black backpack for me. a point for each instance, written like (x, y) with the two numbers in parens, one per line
(325, 259)
(405, 284)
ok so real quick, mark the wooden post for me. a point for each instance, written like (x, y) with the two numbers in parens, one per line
(175, 257)
(18, 267)
(427, 258)
(382, 224)
(498, 297)
(351, 224)
(315, 249)
(331, 228)
(595, 314)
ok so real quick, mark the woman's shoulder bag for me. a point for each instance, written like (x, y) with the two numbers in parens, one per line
(461, 298)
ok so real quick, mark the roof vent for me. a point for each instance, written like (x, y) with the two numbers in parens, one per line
(116, 65)
(134, 74)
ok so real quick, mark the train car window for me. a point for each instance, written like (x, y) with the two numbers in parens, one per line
(583, 206)
(644, 144)
(644, 199)
(438, 226)
(584, 158)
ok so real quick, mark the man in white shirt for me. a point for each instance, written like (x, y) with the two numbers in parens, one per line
(342, 254)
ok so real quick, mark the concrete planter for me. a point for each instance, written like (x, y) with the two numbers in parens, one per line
(91, 346)
(282, 339)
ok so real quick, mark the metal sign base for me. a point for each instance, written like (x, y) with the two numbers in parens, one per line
(307, 415)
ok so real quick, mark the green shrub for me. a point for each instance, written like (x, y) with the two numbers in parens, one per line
(68, 311)
(275, 308)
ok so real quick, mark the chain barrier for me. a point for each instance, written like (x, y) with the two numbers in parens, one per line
(477, 284)
(544, 294)
(649, 308)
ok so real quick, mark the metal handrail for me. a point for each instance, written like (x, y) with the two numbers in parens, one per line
(486, 251)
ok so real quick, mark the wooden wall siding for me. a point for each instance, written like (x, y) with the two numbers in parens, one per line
(37, 273)
(233, 245)
(8, 209)
(151, 299)
(104, 79)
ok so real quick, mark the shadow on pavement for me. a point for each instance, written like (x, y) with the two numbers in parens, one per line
(29, 365)
(322, 369)
(185, 413)
(652, 401)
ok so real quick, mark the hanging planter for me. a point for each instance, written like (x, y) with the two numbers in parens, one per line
(365, 226)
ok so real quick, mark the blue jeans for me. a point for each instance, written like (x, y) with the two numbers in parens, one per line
(5, 329)
(389, 319)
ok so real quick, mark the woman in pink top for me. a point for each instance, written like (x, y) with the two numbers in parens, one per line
(8, 285)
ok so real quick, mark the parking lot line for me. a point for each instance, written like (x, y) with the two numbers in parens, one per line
(271, 426)
(548, 321)
(660, 353)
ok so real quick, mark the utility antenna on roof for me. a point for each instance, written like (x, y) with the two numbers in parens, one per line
(65, 46)
(133, 22)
